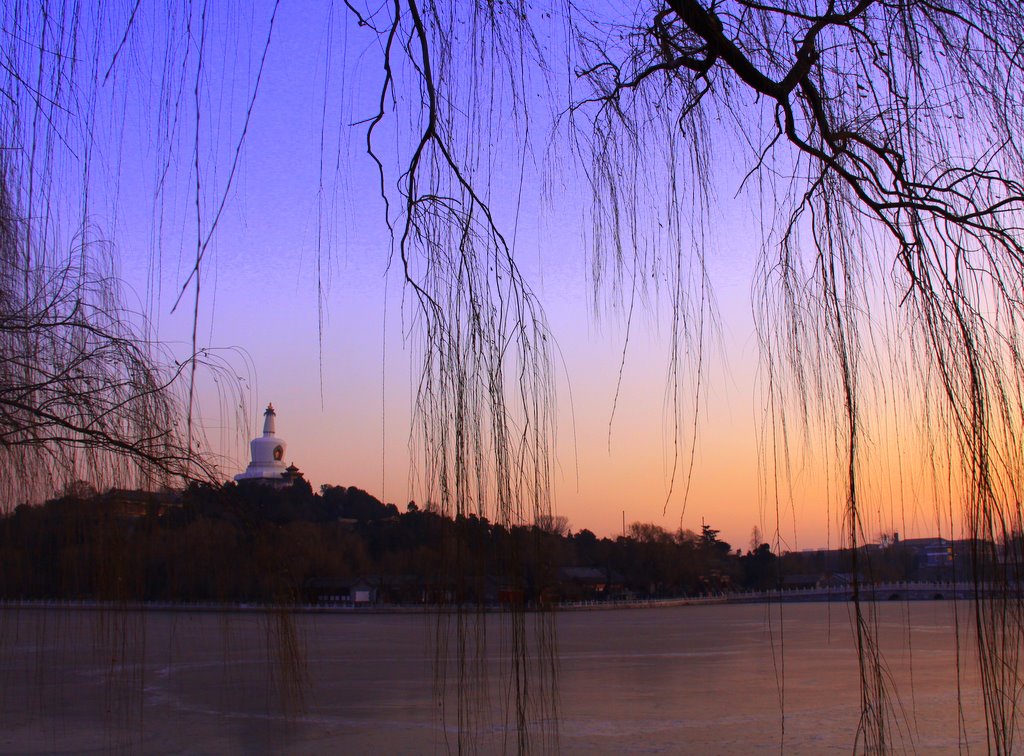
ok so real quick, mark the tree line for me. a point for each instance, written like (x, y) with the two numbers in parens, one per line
(255, 543)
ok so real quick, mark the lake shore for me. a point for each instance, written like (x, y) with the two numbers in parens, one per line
(885, 592)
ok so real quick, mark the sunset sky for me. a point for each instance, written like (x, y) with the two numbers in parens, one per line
(344, 405)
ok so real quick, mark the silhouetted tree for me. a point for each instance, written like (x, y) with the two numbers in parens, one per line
(882, 143)
(84, 392)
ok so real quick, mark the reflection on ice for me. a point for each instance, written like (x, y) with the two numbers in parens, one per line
(704, 678)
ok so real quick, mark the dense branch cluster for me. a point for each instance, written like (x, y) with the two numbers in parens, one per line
(85, 391)
(882, 143)
(81, 392)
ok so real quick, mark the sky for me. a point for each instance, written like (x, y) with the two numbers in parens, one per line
(303, 210)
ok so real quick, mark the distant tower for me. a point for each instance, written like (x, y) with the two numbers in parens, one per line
(267, 465)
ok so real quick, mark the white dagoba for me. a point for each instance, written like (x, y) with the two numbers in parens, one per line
(267, 454)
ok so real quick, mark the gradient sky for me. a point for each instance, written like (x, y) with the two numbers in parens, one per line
(344, 404)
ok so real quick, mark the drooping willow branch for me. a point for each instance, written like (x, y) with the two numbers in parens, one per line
(484, 402)
(881, 144)
(82, 391)
(888, 135)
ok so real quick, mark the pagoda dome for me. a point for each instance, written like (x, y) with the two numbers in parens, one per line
(266, 453)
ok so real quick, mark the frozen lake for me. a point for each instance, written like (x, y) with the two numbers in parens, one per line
(721, 678)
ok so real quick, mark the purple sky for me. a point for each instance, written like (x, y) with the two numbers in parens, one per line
(344, 404)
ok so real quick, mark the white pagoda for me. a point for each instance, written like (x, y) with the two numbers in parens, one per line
(267, 457)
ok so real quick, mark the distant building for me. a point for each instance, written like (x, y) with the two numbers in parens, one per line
(267, 466)
(930, 553)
